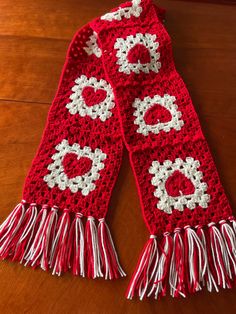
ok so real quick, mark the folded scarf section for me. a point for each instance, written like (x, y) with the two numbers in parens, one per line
(119, 88)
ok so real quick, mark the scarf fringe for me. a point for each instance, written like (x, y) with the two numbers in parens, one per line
(186, 261)
(42, 236)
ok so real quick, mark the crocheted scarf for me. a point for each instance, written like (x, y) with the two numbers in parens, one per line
(119, 88)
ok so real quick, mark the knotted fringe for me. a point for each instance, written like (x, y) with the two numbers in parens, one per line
(112, 267)
(186, 261)
(75, 258)
(45, 237)
(93, 254)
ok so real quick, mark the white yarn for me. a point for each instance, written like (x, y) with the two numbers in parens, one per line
(84, 183)
(189, 167)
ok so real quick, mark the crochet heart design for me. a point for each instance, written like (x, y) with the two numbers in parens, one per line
(75, 166)
(139, 54)
(178, 184)
(157, 114)
(93, 97)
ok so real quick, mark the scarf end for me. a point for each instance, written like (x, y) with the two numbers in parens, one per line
(186, 261)
(42, 236)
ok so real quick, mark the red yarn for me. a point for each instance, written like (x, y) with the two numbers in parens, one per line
(177, 184)
(139, 53)
(92, 97)
(74, 167)
(119, 87)
(156, 114)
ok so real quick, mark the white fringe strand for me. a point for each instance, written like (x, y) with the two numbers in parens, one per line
(109, 255)
(190, 258)
(57, 240)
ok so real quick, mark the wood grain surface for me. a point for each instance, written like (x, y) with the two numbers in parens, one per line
(34, 38)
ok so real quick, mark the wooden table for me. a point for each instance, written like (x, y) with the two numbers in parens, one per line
(34, 39)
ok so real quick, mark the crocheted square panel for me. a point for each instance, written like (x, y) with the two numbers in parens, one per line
(179, 186)
(160, 114)
(76, 170)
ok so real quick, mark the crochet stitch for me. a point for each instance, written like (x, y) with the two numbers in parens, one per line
(119, 87)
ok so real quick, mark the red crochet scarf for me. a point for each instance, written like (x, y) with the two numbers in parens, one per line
(119, 87)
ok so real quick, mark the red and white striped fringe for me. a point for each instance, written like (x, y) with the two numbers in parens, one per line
(187, 260)
(41, 236)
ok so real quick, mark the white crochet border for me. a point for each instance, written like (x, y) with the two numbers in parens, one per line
(142, 106)
(123, 46)
(134, 10)
(189, 167)
(84, 183)
(92, 46)
(100, 110)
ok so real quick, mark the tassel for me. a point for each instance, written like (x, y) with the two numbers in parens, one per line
(76, 246)
(162, 269)
(9, 229)
(144, 271)
(208, 278)
(229, 237)
(56, 241)
(93, 256)
(233, 222)
(33, 255)
(48, 237)
(177, 273)
(220, 257)
(58, 258)
(26, 233)
(195, 259)
(109, 256)
(191, 258)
